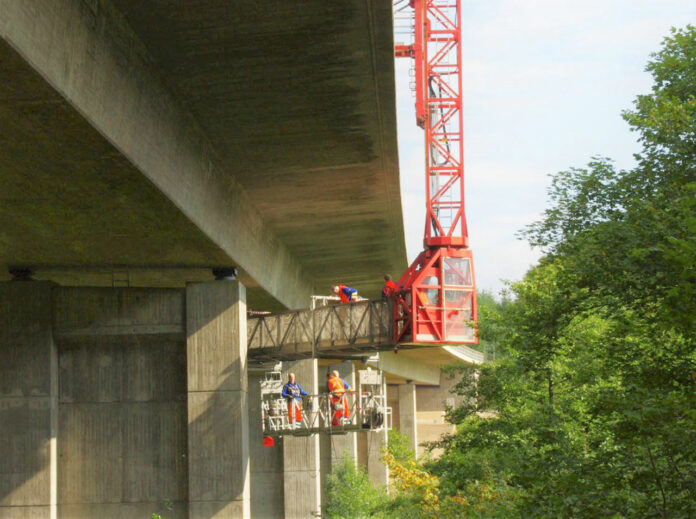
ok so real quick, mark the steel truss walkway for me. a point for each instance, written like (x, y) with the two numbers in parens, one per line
(338, 331)
(355, 329)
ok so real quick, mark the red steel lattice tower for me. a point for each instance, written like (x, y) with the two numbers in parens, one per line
(438, 299)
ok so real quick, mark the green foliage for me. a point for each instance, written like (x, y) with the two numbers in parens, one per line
(591, 411)
(350, 494)
(399, 446)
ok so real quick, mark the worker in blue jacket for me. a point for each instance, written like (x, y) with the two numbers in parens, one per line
(292, 392)
(346, 293)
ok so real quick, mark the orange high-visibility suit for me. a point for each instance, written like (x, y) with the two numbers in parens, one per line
(339, 401)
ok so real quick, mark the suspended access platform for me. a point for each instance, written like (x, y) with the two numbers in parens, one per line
(337, 331)
(354, 329)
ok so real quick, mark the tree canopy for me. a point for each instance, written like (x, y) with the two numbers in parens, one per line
(593, 410)
(590, 409)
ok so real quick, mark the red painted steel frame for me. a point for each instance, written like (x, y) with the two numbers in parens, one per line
(438, 300)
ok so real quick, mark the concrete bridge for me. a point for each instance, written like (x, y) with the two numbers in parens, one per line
(141, 146)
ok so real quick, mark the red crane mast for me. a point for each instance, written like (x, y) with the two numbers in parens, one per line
(438, 300)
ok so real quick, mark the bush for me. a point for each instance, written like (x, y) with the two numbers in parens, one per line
(350, 495)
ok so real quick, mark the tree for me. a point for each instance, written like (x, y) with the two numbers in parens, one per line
(350, 493)
(592, 411)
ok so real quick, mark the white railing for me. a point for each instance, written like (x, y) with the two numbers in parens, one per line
(351, 328)
(326, 413)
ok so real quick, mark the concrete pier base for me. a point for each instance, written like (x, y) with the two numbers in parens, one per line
(218, 426)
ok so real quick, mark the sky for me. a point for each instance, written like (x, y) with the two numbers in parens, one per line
(545, 82)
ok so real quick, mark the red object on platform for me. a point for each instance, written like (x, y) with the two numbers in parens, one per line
(437, 302)
(268, 441)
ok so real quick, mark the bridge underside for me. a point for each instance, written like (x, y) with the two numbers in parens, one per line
(142, 144)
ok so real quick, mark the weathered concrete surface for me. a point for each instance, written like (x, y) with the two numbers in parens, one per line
(28, 393)
(407, 413)
(376, 441)
(189, 134)
(218, 423)
(301, 455)
(301, 94)
(122, 412)
(420, 366)
(267, 489)
(432, 401)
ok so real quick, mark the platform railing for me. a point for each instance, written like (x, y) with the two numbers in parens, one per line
(325, 413)
(347, 329)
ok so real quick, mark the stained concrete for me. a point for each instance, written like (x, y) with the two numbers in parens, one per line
(218, 423)
(301, 94)
(122, 403)
(431, 402)
(421, 366)
(267, 488)
(375, 442)
(185, 135)
(28, 393)
(301, 455)
(408, 424)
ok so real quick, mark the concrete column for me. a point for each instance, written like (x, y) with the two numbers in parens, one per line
(28, 401)
(335, 447)
(267, 487)
(218, 423)
(302, 493)
(407, 413)
(345, 444)
(376, 441)
(122, 402)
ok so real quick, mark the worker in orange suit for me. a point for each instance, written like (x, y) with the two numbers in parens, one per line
(346, 293)
(339, 402)
(292, 392)
(390, 288)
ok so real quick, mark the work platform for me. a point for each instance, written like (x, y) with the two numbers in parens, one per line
(364, 410)
(336, 331)
(355, 329)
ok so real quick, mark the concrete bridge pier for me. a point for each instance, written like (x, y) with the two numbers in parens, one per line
(28, 401)
(218, 423)
(301, 460)
(267, 485)
(376, 441)
(120, 402)
(407, 413)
